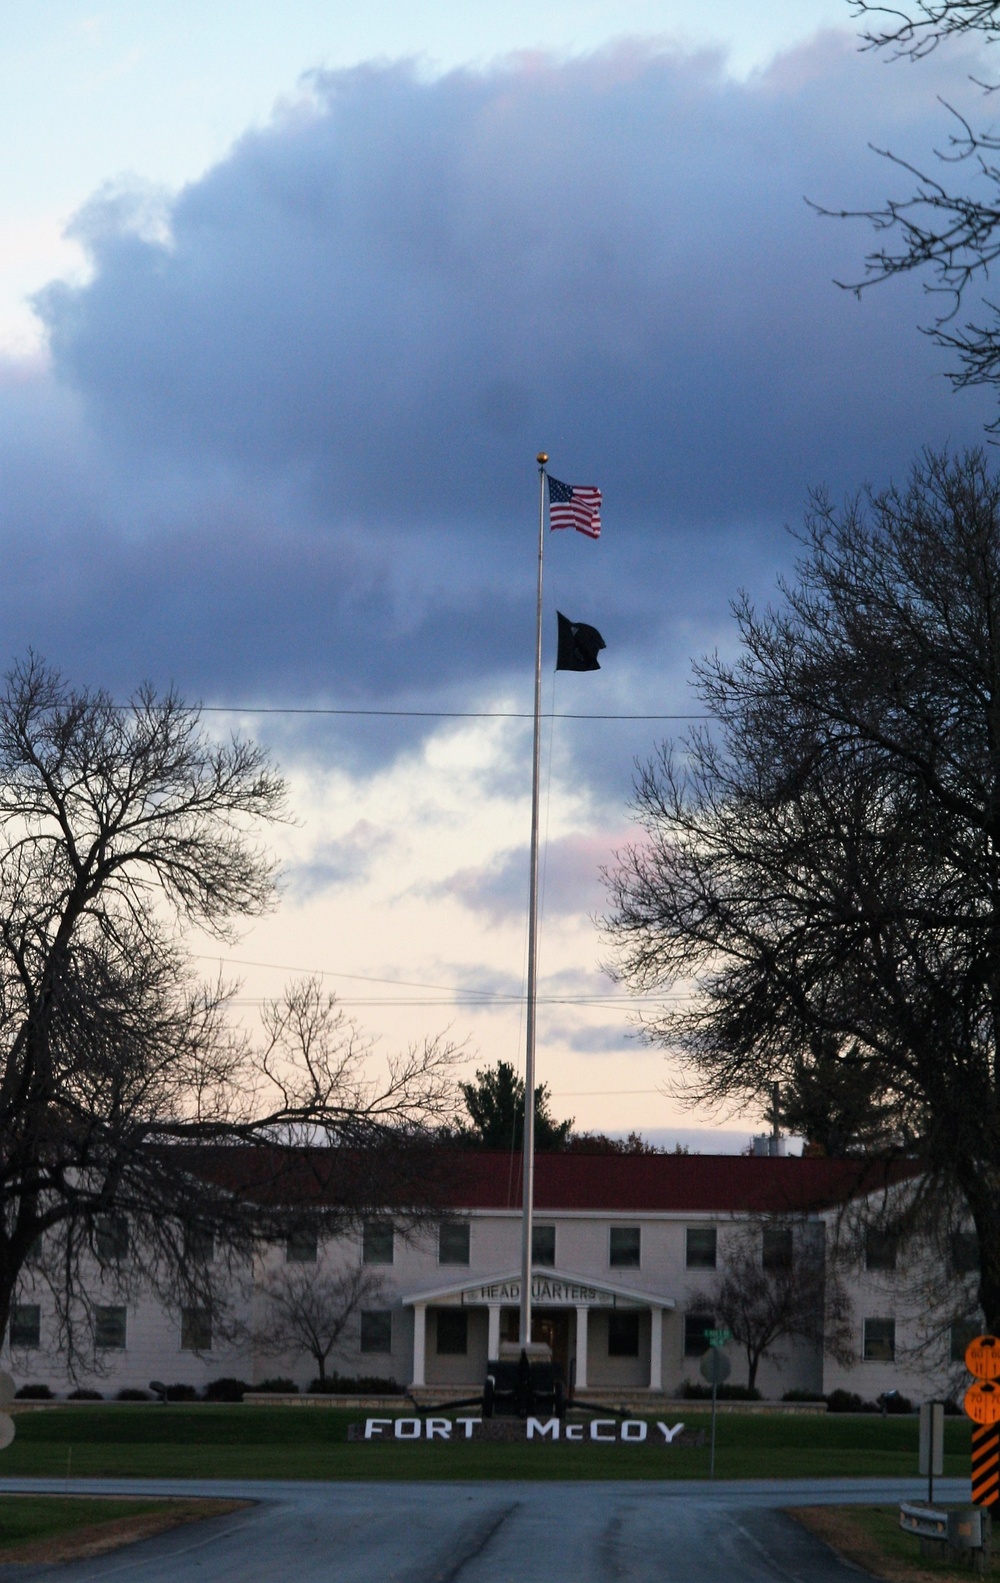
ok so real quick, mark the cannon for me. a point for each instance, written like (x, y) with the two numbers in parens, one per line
(524, 1380)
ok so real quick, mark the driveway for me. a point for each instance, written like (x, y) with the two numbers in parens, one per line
(483, 1533)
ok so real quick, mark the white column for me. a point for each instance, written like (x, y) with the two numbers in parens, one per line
(656, 1349)
(493, 1343)
(581, 1349)
(419, 1342)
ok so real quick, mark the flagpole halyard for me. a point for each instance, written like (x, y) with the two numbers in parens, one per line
(528, 1142)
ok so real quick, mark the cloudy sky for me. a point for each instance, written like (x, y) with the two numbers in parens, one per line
(290, 295)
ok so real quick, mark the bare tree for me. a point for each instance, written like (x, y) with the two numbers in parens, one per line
(823, 865)
(123, 1083)
(308, 1308)
(773, 1286)
(944, 226)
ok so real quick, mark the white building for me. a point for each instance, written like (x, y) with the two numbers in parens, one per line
(627, 1251)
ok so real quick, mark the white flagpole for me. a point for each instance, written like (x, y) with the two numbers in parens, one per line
(528, 1145)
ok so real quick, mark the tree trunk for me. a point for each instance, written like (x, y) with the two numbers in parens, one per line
(753, 1358)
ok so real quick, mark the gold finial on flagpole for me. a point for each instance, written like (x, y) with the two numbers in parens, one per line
(542, 458)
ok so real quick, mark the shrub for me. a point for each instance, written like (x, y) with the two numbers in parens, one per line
(225, 1390)
(180, 1393)
(695, 1391)
(35, 1393)
(803, 1396)
(132, 1393)
(894, 1402)
(366, 1384)
(277, 1387)
(83, 1395)
(848, 1402)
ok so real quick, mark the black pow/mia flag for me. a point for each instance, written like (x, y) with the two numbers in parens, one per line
(579, 645)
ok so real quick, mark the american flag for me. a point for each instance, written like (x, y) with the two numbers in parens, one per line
(575, 506)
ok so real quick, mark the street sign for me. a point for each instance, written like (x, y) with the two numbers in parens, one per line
(982, 1402)
(982, 1357)
(715, 1367)
(718, 1338)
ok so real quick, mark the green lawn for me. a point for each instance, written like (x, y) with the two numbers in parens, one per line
(293, 1442)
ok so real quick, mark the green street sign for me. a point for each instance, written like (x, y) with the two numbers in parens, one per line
(718, 1338)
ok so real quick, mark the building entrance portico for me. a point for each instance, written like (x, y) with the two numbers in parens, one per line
(562, 1303)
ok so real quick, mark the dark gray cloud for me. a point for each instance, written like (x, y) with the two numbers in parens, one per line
(336, 864)
(569, 880)
(284, 451)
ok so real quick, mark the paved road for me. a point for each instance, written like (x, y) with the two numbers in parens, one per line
(484, 1533)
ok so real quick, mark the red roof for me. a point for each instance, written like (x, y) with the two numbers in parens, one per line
(691, 1183)
(457, 1179)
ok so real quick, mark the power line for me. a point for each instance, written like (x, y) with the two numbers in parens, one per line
(456, 992)
(429, 714)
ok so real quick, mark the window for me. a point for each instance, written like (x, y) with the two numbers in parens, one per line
(543, 1245)
(25, 1325)
(111, 1238)
(196, 1330)
(965, 1252)
(880, 1341)
(300, 1247)
(701, 1247)
(624, 1248)
(199, 1245)
(881, 1248)
(376, 1330)
(109, 1327)
(377, 1242)
(453, 1243)
(623, 1335)
(962, 1332)
(776, 1248)
(696, 1328)
(452, 1331)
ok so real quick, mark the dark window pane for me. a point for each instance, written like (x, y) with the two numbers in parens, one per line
(376, 1330)
(25, 1325)
(453, 1331)
(543, 1245)
(965, 1253)
(964, 1331)
(109, 1327)
(199, 1245)
(696, 1328)
(377, 1242)
(301, 1246)
(196, 1330)
(453, 1243)
(881, 1248)
(776, 1248)
(880, 1340)
(111, 1238)
(701, 1247)
(624, 1248)
(623, 1335)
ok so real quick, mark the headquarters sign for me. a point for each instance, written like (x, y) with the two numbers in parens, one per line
(546, 1289)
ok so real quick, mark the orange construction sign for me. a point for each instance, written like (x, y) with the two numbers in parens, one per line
(982, 1402)
(982, 1357)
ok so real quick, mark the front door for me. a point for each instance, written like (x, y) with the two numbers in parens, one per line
(551, 1325)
